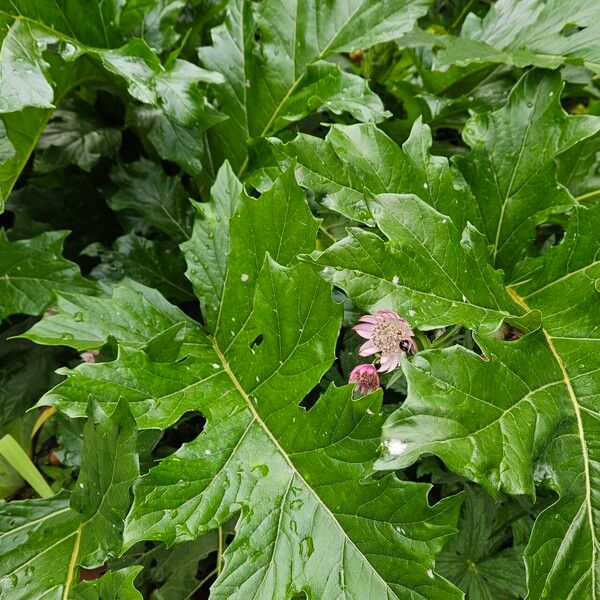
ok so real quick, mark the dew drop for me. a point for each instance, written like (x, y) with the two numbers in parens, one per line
(78, 316)
(244, 277)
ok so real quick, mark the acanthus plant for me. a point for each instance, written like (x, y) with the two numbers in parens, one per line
(300, 299)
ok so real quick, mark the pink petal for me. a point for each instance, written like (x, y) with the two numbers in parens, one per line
(365, 330)
(369, 319)
(368, 348)
(389, 363)
(390, 315)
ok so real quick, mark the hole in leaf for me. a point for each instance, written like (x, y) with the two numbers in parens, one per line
(256, 342)
(311, 398)
(548, 235)
(185, 430)
(569, 29)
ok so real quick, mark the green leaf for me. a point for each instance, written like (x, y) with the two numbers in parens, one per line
(464, 403)
(206, 251)
(154, 263)
(511, 168)
(114, 585)
(249, 435)
(172, 141)
(133, 314)
(47, 51)
(59, 538)
(477, 559)
(526, 32)
(158, 393)
(102, 494)
(460, 286)
(578, 170)
(32, 270)
(159, 198)
(75, 136)
(42, 566)
(22, 81)
(287, 228)
(271, 56)
(536, 410)
(360, 160)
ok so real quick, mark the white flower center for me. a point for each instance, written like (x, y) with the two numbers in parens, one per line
(388, 335)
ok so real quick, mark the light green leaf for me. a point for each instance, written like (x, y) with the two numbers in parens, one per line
(133, 314)
(43, 542)
(22, 81)
(303, 486)
(460, 285)
(114, 585)
(526, 32)
(511, 168)
(32, 270)
(50, 529)
(262, 96)
(357, 161)
(206, 251)
(102, 494)
(530, 413)
(158, 393)
(579, 170)
(279, 223)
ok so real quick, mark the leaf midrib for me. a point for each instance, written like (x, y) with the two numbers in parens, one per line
(580, 434)
(256, 418)
(297, 80)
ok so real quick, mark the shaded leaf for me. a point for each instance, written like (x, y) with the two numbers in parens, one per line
(32, 270)
(158, 197)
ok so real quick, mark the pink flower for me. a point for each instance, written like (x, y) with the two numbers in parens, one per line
(389, 334)
(366, 379)
(89, 356)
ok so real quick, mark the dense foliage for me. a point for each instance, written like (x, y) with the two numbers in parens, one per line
(202, 199)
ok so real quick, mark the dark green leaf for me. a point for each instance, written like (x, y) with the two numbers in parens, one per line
(32, 270)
